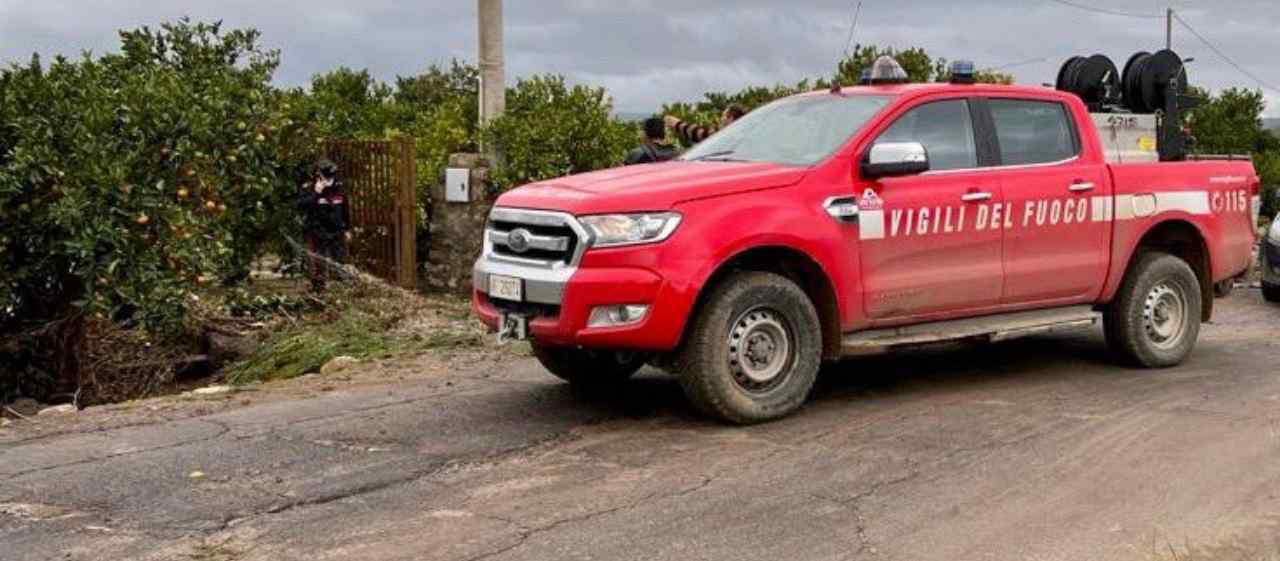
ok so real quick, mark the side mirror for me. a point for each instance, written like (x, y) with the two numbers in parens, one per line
(895, 159)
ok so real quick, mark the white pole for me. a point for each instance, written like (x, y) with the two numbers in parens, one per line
(493, 87)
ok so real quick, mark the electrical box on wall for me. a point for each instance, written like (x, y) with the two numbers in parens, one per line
(457, 185)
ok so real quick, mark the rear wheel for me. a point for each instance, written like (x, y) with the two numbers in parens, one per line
(589, 367)
(1155, 319)
(753, 353)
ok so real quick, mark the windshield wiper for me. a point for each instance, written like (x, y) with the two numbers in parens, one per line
(714, 156)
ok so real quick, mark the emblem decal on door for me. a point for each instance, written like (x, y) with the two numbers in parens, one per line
(870, 216)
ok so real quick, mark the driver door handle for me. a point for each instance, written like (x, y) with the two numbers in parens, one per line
(1081, 187)
(842, 209)
(975, 196)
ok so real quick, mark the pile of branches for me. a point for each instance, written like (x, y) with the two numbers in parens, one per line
(119, 364)
(85, 361)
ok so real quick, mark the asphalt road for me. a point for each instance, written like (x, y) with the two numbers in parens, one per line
(1037, 449)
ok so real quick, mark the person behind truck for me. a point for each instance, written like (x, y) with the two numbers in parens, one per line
(692, 134)
(326, 217)
(654, 148)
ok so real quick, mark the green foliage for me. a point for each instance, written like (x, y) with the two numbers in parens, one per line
(360, 320)
(441, 113)
(130, 179)
(1231, 123)
(345, 103)
(305, 348)
(438, 85)
(915, 61)
(552, 129)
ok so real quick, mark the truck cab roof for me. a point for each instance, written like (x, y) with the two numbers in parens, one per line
(918, 89)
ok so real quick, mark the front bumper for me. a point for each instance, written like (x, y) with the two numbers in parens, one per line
(558, 310)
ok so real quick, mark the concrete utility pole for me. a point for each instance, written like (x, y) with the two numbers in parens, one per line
(493, 85)
(1168, 30)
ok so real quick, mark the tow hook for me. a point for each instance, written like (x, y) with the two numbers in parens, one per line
(512, 327)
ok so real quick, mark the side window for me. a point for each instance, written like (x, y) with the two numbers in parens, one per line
(944, 128)
(1032, 132)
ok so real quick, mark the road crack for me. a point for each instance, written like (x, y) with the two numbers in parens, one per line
(222, 430)
(526, 533)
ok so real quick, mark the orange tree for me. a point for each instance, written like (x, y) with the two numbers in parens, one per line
(129, 180)
(552, 129)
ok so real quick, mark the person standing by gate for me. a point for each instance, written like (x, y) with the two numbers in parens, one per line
(326, 217)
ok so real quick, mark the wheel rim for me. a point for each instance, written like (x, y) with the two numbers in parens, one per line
(760, 350)
(1164, 315)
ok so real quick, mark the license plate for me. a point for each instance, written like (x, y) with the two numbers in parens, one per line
(506, 288)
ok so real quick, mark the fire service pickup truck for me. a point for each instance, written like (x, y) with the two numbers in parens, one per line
(865, 219)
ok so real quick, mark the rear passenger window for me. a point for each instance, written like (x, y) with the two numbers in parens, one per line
(944, 128)
(1032, 132)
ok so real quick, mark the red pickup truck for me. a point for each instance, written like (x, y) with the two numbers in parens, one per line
(858, 221)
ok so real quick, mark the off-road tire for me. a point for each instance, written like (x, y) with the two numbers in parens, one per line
(751, 305)
(589, 367)
(1271, 292)
(1133, 326)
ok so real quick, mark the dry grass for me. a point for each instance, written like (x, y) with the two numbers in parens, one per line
(363, 317)
(1259, 544)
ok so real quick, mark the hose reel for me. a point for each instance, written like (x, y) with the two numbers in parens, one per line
(1150, 84)
(1152, 81)
(1094, 79)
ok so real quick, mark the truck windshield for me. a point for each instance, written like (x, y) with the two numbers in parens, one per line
(798, 131)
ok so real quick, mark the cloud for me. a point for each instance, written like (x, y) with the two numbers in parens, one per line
(651, 51)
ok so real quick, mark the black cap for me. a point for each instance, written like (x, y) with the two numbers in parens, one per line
(327, 168)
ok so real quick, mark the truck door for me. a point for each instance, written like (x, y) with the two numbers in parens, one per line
(1058, 248)
(934, 247)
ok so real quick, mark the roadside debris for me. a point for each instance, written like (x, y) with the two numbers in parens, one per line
(23, 408)
(213, 390)
(338, 364)
(66, 409)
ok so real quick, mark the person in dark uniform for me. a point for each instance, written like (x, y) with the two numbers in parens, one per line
(654, 148)
(692, 134)
(326, 215)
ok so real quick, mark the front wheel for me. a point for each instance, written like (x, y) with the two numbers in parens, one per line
(589, 367)
(1155, 319)
(753, 353)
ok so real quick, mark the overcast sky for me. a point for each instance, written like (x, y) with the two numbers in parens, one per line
(647, 52)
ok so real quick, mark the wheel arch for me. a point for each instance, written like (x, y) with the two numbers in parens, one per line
(795, 264)
(1186, 241)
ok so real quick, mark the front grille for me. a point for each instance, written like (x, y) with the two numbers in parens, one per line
(543, 237)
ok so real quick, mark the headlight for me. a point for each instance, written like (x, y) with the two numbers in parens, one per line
(1274, 233)
(612, 230)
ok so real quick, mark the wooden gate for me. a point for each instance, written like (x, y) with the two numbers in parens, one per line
(380, 179)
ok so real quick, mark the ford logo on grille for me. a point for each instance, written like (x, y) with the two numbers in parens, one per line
(518, 240)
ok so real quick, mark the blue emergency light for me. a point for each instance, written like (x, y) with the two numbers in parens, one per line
(962, 72)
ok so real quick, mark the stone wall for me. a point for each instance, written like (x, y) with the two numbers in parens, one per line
(457, 229)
